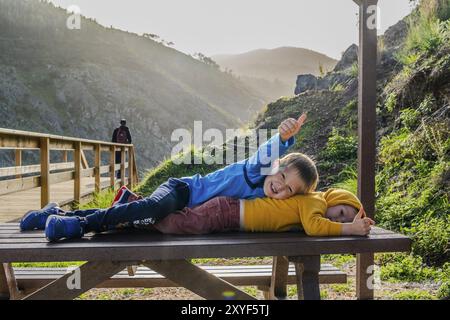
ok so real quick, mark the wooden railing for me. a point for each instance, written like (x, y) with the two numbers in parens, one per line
(45, 174)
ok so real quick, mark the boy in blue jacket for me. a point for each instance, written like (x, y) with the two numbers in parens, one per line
(246, 179)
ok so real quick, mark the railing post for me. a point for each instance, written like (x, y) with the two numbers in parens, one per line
(135, 170)
(45, 171)
(122, 166)
(98, 149)
(77, 180)
(367, 99)
(18, 161)
(65, 157)
(112, 165)
(130, 167)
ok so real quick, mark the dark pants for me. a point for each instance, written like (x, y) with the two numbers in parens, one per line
(169, 197)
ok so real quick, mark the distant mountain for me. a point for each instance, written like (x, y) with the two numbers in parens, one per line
(273, 72)
(82, 82)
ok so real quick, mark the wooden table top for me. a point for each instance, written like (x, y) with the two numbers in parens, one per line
(138, 245)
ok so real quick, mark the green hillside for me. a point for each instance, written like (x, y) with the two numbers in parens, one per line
(82, 82)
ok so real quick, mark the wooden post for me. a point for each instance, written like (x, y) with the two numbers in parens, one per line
(122, 166)
(278, 281)
(367, 98)
(77, 180)
(18, 161)
(45, 171)
(307, 270)
(130, 167)
(98, 153)
(8, 283)
(112, 165)
(136, 177)
(65, 156)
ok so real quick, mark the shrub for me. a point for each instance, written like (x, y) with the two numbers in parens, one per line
(431, 240)
(410, 118)
(413, 295)
(340, 148)
(407, 268)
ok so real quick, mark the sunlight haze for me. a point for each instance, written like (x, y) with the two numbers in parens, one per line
(236, 26)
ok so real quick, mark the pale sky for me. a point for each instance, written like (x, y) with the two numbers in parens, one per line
(236, 26)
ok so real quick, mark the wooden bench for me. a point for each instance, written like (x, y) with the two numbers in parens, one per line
(31, 279)
(109, 254)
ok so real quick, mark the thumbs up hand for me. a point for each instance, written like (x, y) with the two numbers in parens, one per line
(290, 127)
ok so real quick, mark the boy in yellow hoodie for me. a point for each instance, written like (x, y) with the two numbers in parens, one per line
(332, 213)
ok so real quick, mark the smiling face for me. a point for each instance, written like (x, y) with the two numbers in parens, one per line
(284, 184)
(341, 213)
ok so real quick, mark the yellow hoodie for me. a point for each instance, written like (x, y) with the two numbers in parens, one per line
(304, 212)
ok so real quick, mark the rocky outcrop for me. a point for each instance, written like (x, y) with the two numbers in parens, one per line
(349, 57)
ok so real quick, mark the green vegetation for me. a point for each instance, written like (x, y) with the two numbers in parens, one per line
(413, 295)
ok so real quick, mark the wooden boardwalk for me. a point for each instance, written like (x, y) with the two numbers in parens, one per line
(14, 205)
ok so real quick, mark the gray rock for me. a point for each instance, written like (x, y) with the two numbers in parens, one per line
(305, 82)
(348, 58)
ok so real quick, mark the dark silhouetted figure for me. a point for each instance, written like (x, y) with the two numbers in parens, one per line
(121, 135)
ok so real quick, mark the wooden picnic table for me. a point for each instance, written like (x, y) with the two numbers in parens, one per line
(109, 253)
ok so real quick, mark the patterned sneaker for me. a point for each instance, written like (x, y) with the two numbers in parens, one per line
(58, 227)
(35, 219)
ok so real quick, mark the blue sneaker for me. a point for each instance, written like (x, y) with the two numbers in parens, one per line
(58, 227)
(35, 219)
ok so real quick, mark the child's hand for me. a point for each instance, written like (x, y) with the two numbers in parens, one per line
(361, 225)
(290, 127)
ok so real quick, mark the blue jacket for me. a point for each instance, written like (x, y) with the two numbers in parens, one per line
(240, 180)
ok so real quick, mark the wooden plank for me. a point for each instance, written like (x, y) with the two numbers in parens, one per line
(61, 145)
(45, 171)
(92, 274)
(17, 135)
(90, 172)
(77, 179)
(84, 161)
(105, 169)
(367, 100)
(18, 142)
(254, 275)
(61, 177)
(97, 163)
(148, 245)
(88, 146)
(197, 280)
(15, 185)
(11, 171)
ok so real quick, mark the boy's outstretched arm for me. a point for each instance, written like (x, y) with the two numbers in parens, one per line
(275, 147)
